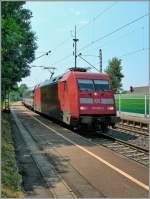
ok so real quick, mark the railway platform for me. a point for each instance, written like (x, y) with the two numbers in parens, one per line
(133, 117)
(73, 166)
(134, 120)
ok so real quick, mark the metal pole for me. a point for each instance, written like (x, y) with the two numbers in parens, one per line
(100, 59)
(75, 46)
(75, 50)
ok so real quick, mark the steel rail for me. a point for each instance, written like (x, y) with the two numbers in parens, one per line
(134, 129)
(136, 153)
(126, 143)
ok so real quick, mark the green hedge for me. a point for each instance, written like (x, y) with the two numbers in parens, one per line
(10, 177)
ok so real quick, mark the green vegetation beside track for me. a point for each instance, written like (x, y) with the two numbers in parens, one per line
(9, 172)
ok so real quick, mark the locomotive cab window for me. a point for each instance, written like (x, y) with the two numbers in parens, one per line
(85, 84)
(101, 85)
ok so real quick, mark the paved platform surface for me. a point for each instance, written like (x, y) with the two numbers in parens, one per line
(89, 170)
(133, 117)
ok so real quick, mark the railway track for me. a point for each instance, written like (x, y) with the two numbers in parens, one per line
(140, 140)
(131, 151)
(136, 129)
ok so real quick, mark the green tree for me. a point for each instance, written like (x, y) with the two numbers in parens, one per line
(18, 43)
(114, 69)
(22, 88)
(17, 93)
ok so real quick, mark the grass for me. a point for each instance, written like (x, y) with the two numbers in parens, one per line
(132, 103)
(10, 177)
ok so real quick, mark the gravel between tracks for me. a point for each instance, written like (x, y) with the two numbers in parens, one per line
(131, 137)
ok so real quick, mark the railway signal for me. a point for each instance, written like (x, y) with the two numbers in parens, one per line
(131, 89)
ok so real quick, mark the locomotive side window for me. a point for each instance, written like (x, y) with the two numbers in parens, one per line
(101, 85)
(85, 84)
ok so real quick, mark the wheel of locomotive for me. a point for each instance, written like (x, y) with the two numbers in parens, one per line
(104, 127)
(113, 125)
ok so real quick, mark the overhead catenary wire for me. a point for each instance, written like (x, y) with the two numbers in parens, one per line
(128, 54)
(88, 62)
(98, 15)
(105, 36)
(133, 52)
(114, 31)
(61, 43)
(62, 59)
(92, 20)
(69, 55)
(108, 42)
(118, 38)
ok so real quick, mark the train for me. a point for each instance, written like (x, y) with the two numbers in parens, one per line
(77, 98)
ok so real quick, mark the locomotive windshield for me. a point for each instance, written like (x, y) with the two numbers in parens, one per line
(89, 84)
(85, 84)
(101, 85)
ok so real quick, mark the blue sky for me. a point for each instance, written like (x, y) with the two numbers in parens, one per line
(53, 23)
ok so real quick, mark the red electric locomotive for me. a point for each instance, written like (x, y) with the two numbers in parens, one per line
(76, 98)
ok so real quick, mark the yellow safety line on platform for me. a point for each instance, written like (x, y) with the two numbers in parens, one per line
(98, 158)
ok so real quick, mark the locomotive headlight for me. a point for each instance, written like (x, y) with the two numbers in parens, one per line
(83, 108)
(95, 94)
(110, 108)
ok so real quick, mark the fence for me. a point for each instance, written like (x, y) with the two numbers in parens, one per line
(133, 103)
